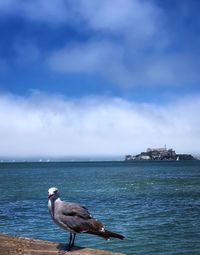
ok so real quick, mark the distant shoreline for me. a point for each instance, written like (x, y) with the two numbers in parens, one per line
(91, 161)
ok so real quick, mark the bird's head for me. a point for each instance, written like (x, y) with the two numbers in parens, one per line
(53, 193)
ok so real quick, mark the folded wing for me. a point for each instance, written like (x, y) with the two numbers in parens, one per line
(78, 219)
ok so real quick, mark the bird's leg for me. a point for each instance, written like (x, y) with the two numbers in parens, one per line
(73, 240)
(70, 242)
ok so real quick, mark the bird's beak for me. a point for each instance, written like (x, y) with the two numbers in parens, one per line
(49, 196)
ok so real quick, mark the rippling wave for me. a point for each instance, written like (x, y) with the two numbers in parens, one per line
(156, 205)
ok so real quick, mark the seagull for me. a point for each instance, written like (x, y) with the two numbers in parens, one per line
(75, 218)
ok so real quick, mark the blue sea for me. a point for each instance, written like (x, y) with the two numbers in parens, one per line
(155, 205)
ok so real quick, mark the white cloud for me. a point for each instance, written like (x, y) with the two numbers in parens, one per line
(53, 126)
(89, 58)
(125, 67)
(120, 16)
(130, 42)
(134, 46)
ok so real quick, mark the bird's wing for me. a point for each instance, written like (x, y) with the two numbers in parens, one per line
(77, 218)
(75, 209)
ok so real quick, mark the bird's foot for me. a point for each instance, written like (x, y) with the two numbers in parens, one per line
(63, 249)
(67, 247)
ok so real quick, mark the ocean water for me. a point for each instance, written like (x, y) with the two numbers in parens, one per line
(155, 205)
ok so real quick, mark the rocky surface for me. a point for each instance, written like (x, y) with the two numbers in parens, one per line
(10, 245)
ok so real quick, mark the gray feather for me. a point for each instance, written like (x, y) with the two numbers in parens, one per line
(76, 218)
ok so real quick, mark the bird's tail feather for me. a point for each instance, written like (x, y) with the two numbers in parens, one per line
(106, 234)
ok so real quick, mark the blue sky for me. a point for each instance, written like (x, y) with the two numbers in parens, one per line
(105, 77)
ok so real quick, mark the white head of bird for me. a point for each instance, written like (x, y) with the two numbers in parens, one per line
(53, 193)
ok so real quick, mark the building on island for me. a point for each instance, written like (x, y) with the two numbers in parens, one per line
(159, 154)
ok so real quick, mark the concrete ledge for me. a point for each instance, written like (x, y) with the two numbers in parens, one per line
(10, 245)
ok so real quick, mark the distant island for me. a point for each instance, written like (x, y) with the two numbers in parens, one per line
(159, 154)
